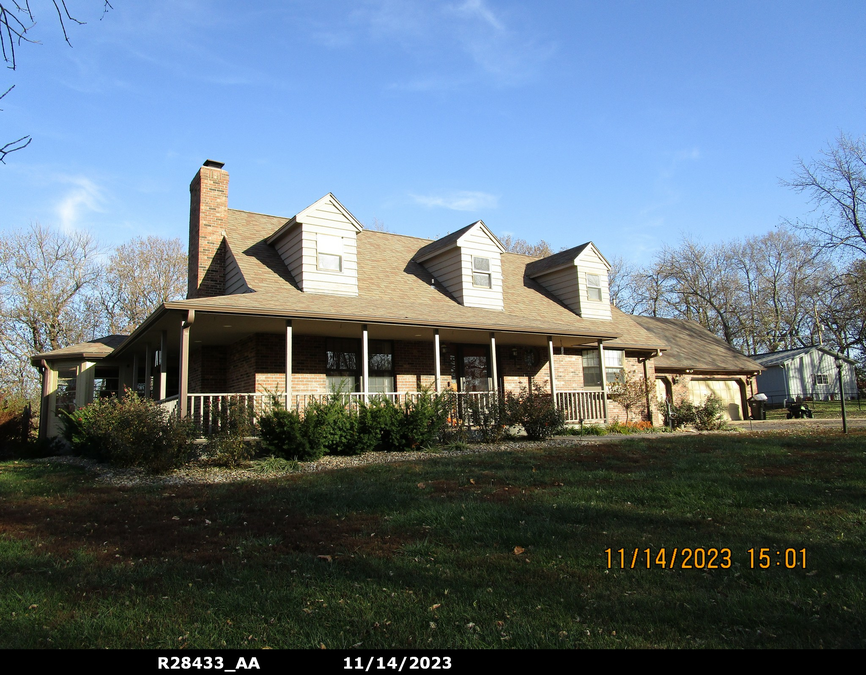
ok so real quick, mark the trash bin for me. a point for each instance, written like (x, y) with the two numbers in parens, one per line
(757, 409)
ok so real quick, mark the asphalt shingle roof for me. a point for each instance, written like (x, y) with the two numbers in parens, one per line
(99, 348)
(775, 358)
(394, 288)
(551, 262)
(693, 347)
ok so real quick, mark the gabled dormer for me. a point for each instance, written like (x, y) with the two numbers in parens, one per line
(319, 246)
(468, 264)
(578, 278)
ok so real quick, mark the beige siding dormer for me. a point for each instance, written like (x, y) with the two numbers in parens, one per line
(234, 278)
(468, 264)
(578, 278)
(319, 246)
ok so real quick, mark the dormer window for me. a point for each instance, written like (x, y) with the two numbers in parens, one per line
(468, 264)
(329, 253)
(481, 272)
(593, 287)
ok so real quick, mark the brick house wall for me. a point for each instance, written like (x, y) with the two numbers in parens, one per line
(257, 363)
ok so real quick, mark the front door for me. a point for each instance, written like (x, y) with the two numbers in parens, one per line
(474, 362)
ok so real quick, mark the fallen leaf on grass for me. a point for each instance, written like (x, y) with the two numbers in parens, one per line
(518, 550)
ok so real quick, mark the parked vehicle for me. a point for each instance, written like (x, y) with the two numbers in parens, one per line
(798, 411)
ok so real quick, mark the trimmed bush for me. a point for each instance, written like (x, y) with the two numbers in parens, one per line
(130, 431)
(378, 426)
(490, 418)
(282, 433)
(535, 412)
(422, 421)
(330, 427)
(704, 417)
(231, 446)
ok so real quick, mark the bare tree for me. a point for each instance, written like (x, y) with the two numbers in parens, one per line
(698, 285)
(841, 309)
(138, 277)
(45, 276)
(622, 283)
(780, 278)
(631, 393)
(539, 250)
(44, 280)
(12, 146)
(16, 26)
(836, 184)
(759, 294)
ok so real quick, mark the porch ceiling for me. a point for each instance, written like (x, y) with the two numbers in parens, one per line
(218, 329)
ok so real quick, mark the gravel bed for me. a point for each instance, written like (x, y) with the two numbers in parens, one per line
(198, 473)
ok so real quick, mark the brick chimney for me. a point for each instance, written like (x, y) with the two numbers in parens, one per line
(208, 212)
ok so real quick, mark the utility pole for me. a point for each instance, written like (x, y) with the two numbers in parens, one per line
(842, 395)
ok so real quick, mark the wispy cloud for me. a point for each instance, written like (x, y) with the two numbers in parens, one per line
(458, 201)
(84, 196)
(499, 48)
(477, 9)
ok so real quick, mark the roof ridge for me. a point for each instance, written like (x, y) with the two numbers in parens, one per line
(397, 234)
(259, 213)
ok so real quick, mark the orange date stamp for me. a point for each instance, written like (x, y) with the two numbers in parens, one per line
(702, 558)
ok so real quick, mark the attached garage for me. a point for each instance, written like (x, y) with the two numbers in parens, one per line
(728, 391)
(697, 364)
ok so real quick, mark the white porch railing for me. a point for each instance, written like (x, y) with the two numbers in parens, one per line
(581, 406)
(210, 412)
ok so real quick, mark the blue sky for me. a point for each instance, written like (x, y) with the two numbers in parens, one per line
(630, 124)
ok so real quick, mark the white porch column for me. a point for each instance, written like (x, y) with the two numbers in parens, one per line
(646, 384)
(135, 373)
(148, 368)
(46, 399)
(551, 368)
(163, 365)
(365, 361)
(183, 374)
(437, 362)
(288, 364)
(603, 380)
(493, 372)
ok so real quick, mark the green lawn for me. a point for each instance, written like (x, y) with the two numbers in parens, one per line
(497, 550)
(825, 410)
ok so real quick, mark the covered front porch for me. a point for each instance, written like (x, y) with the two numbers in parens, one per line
(199, 363)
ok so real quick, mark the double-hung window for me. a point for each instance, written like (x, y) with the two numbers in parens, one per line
(342, 367)
(67, 389)
(329, 253)
(613, 367)
(381, 367)
(481, 272)
(593, 287)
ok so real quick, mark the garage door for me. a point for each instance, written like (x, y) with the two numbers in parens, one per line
(726, 390)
